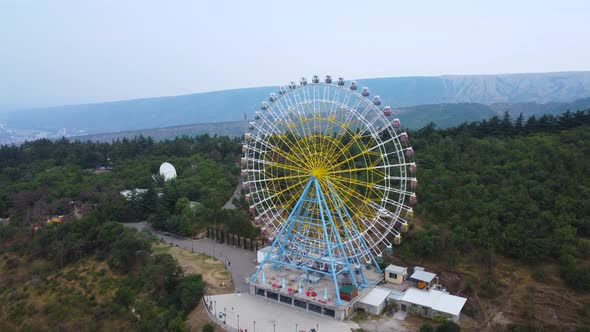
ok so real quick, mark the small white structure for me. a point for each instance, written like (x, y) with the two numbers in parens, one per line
(422, 278)
(132, 193)
(262, 253)
(396, 274)
(167, 171)
(374, 301)
(430, 303)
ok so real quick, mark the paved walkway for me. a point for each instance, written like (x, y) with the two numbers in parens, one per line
(237, 193)
(240, 262)
(270, 317)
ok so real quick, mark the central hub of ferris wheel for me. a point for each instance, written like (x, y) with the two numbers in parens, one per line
(319, 172)
(329, 175)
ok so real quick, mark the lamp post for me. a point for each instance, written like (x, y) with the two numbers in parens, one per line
(296, 327)
(254, 326)
(274, 327)
(238, 322)
(224, 310)
(215, 306)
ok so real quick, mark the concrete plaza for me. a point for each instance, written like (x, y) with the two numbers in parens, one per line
(256, 314)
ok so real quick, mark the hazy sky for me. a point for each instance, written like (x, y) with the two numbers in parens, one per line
(63, 52)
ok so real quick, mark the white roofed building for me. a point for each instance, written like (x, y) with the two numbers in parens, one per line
(374, 301)
(430, 303)
(421, 294)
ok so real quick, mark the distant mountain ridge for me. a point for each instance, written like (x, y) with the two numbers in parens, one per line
(231, 105)
(443, 115)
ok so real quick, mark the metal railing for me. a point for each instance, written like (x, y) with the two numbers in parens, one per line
(214, 316)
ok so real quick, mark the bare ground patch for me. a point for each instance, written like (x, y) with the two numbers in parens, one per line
(213, 271)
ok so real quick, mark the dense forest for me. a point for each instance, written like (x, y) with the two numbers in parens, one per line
(520, 188)
(513, 187)
(44, 178)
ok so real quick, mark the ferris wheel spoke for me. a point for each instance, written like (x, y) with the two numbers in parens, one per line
(275, 164)
(355, 139)
(338, 205)
(302, 143)
(303, 121)
(358, 139)
(325, 138)
(311, 149)
(361, 154)
(354, 180)
(345, 129)
(275, 148)
(358, 206)
(342, 188)
(289, 177)
(328, 131)
(352, 170)
(372, 186)
(294, 157)
(350, 115)
(277, 193)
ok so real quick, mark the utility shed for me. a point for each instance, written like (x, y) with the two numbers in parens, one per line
(348, 292)
(422, 278)
(430, 303)
(374, 301)
(262, 252)
(396, 274)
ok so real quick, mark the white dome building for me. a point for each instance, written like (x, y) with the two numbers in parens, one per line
(167, 171)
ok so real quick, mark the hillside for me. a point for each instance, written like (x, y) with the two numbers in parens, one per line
(92, 275)
(231, 105)
(231, 128)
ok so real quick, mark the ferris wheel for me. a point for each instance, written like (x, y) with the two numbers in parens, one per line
(329, 175)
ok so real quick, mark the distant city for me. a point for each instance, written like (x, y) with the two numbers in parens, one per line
(16, 136)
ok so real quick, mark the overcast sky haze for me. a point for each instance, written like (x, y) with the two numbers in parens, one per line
(68, 52)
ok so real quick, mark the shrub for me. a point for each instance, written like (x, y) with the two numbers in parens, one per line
(12, 263)
(426, 328)
(448, 326)
(124, 297)
(208, 328)
(441, 318)
(190, 291)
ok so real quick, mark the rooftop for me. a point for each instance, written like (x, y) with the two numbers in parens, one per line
(395, 295)
(376, 296)
(423, 276)
(396, 269)
(437, 300)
